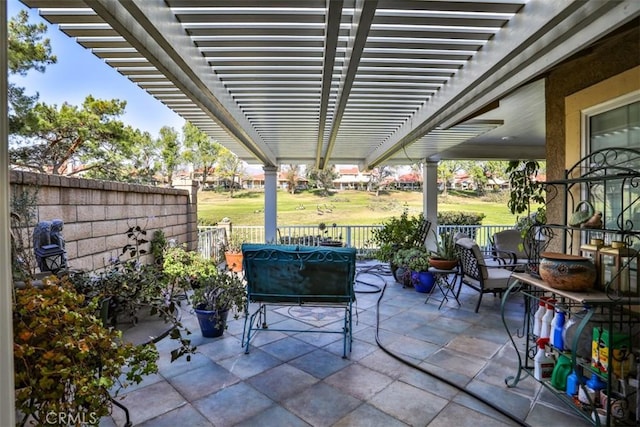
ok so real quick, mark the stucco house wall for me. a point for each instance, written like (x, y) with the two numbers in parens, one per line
(610, 69)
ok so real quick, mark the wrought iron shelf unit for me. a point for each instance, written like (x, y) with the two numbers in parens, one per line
(609, 180)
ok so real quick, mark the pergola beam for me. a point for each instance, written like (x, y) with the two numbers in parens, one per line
(362, 19)
(529, 44)
(154, 31)
(334, 16)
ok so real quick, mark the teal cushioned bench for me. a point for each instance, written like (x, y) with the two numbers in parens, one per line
(304, 275)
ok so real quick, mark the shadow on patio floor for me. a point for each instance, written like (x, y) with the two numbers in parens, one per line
(300, 379)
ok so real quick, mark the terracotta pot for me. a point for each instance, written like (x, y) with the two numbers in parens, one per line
(443, 264)
(567, 272)
(234, 261)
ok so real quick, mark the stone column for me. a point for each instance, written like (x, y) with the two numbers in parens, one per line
(7, 397)
(430, 197)
(270, 204)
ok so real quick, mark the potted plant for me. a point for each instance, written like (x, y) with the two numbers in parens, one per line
(418, 263)
(325, 239)
(233, 250)
(213, 297)
(401, 261)
(213, 292)
(525, 191)
(396, 234)
(445, 256)
(132, 291)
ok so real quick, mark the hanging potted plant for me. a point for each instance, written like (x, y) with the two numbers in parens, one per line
(214, 296)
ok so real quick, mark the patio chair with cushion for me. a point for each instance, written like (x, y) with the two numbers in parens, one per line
(511, 241)
(483, 272)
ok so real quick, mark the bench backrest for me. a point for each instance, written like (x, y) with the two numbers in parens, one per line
(281, 273)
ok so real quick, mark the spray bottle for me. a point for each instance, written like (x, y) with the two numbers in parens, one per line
(543, 364)
(537, 317)
(547, 318)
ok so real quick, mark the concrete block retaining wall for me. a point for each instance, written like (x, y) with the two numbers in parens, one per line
(97, 214)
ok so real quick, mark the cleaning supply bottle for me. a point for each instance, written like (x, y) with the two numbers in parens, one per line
(543, 364)
(573, 382)
(560, 373)
(557, 330)
(554, 321)
(545, 326)
(591, 394)
(537, 317)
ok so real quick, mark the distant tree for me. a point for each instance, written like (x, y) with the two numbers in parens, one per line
(27, 50)
(52, 137)
(230, 167)
(322, 179)
(145, 156)
(199, 149)
(446, 172)
(377, 177)
(292, 175)
(169, 151)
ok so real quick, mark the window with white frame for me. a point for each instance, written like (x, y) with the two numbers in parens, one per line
(613, 125)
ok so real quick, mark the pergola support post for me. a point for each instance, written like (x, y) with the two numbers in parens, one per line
(270, 204)
(430, 197)
(7, 396)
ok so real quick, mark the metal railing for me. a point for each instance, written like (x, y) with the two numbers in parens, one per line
(211, 242)
(211, 238)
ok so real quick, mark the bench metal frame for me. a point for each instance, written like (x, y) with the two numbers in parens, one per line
(281, 275)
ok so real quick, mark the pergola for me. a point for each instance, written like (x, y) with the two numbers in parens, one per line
(366, 82)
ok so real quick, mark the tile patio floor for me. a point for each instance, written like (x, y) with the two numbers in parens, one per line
(300, 379)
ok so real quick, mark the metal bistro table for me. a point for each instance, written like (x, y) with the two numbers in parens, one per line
(445, 281)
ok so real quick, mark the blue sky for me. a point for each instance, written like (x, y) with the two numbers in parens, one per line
(79, 73)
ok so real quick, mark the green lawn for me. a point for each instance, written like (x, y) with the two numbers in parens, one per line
(345, 207)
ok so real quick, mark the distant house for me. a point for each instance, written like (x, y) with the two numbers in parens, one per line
(351, 179)
(463, 181)
(498, 183)
(409, 181)
(256, 182)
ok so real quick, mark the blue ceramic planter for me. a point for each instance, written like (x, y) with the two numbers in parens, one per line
(422, 281)
(211, 325)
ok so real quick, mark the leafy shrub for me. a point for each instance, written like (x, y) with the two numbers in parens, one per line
(397, 233)
(65, 360)
(460, 218)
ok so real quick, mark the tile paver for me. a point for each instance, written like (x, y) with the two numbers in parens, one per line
(300, 379)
